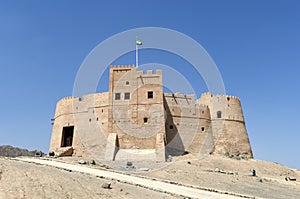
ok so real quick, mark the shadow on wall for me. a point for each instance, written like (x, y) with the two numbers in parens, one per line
(174, 144)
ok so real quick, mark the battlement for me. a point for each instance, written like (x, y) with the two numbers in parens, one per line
(122, 67)
(67, 99)
(180, 95)
(208, 95)
(149, 73)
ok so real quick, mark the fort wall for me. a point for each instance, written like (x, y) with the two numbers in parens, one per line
(137, 117)
(187, 123)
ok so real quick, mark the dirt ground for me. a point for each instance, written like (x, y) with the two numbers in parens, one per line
(231, 175)
(29, 181)
(25, 180)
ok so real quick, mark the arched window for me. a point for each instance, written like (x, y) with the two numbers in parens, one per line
(219, 114)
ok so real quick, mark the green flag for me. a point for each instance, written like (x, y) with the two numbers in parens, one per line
(138, 42)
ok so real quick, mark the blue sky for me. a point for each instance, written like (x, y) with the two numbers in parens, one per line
(255, 44)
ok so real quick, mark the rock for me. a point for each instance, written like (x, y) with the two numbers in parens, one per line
(106, 185)
(169, 159)
(38, 154)
(222, 171)
(230, 173)
(144, 169)
(129, 165)
(287, 178)
(259, 180)
(92, 162)
(244, 157)
(217, 170)
(81, 162)
(252, 172)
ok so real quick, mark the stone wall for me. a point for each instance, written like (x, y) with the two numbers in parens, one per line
(187, 124)
(148, 124)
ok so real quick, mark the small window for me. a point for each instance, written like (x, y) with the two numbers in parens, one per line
(90, 120)
(202, 129)
(145, 120)
(150, 94)
(117, 96)
(127, 96)
(228, 98)
(97, 119)
(127, 82)
(102, 110)
(171, 126)
(219, 114)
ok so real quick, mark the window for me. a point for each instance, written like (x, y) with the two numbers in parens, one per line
(127, 96)
(202, 128)
(145, 120)
(150, 94)
(117, 96)
(219, 114)
(171, 126)
(127, 82)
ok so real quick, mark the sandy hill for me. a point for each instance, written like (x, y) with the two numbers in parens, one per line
(215, 173)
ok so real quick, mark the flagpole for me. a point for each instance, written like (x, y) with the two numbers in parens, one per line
(138, 42)
(136, 55)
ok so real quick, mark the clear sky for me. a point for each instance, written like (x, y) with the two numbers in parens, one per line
(255, 44)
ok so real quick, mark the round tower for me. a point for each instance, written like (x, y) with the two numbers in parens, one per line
(228, 125)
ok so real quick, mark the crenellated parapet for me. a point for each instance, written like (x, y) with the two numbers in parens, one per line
(223, 106)
(65, 106)
(147, 73)
(120, 67)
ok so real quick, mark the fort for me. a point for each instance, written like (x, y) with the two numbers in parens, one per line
(136, 120)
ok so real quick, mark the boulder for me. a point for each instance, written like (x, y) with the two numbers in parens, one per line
(81, 162)
(106, 185)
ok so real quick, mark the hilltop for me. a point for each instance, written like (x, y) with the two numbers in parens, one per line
(10, 151)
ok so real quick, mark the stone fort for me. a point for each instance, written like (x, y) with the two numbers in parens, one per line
(136, 120)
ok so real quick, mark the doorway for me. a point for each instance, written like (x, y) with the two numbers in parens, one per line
(67, 136)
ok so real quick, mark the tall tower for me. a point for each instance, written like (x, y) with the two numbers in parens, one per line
(136, 114)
